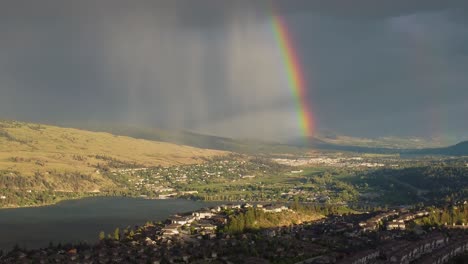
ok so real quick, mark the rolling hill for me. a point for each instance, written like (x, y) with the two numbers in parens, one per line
(323, 141)
(384, 145)
(188, 138)
(460, 149)
(48, 157)
(380, 142)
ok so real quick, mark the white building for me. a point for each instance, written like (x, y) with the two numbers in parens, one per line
(202, 214)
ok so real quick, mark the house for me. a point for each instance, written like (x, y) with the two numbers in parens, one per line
(172, 229)
(396, 226)
(247, 205)
(207, 226)
(149, 241)
(182, 220)
(231, 206)
(216, 209)
(274, 208)
(202, 214)
(219, 219)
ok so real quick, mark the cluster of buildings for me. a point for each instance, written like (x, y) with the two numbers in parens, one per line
(458, 245)
(160, 179)
(206, 221)
(435, 248)
(307, 194)
(392, 220)
(349, 162)
(400, 252)
(374, 222)
(402, 220)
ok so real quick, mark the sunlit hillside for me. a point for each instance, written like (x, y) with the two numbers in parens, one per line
(47, 156)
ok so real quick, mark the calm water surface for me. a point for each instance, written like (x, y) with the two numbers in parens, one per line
(82, 220)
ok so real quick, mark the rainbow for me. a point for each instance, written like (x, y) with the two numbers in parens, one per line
(295, 77)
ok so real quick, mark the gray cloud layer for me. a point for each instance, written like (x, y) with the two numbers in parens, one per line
(373, 67)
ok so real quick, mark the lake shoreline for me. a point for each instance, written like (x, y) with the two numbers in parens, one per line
(43, 205)
(90, 196)
(81, 220)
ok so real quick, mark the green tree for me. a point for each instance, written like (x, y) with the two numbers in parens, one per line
(296, 206)
(102, 235)
(445, 217)
(117, 234)
(241, 223)
(249, 218)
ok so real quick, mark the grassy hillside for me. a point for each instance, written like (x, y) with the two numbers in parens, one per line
(47, 157)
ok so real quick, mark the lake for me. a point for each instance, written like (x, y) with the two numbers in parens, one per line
(82, 220)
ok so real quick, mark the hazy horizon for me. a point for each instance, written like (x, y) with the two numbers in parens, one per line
(372, 68)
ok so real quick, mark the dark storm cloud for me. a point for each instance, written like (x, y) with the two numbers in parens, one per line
(391, 73)
(368, 9)
(372, 67)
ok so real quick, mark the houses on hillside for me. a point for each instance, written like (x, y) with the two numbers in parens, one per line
(400, 222)
(385, 219)
(401, 252)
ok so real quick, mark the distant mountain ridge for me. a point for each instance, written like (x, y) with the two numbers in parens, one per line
(460, 149)
(384, 145)
(390, 142)
(193, 139)
(325, 141)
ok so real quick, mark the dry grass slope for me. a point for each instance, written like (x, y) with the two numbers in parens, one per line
(33, 150)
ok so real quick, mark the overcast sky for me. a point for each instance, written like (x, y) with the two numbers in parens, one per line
(373, 67)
